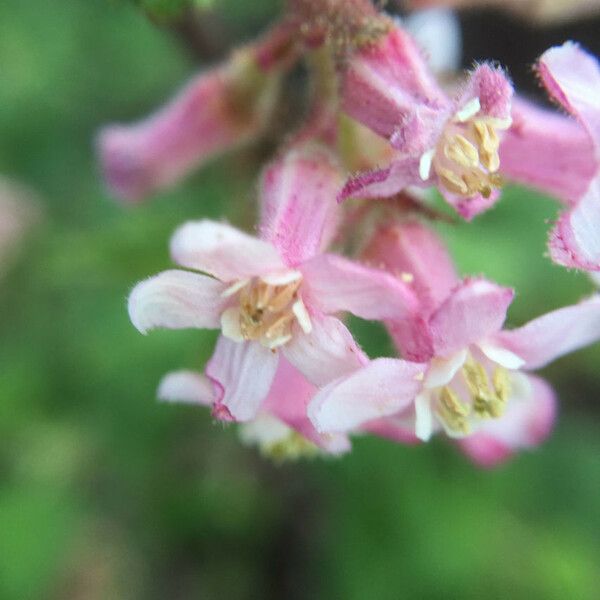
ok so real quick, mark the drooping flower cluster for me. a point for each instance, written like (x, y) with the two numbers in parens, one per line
(285, 365)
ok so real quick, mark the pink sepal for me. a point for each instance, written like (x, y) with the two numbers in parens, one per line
(298, 202)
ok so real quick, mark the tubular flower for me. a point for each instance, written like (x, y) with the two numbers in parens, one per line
(221, 108)
(451, 143)
(281, 429)
(572, 78)
(274, 295)
(474, 381)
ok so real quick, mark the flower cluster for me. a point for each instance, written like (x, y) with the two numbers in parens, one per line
(383, 125)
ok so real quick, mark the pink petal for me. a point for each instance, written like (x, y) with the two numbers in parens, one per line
(188, 387)
(327, 352)
(557, 333)
(527, 423)
(199, 123)
(334, 283)
(412, 338)
(288, 400)
(572, 78)
(223, 251)
(493, 89)
(475, 310)
(176, 300)
(415, 253)
(383, 183)
(384, 81)
(469, 208)
(299, 209)
(384, 387)
(242, 374)
(575, 240)
(548, 151)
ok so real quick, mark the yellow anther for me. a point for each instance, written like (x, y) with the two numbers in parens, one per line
(453, 182)
(266, 311)
(292, 447)
(461, 151)
(453, 412)
(466, 159)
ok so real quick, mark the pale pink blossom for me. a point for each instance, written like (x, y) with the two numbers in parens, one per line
(438, 140)
(572, 78)
(222, 108)
(281, 429)
(275, 295)
(472, 375)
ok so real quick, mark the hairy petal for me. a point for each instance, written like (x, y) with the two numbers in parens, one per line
(243, 374)
(327, 352)
(527, 423)
(188, 387)
(557, 333)
(572, 78)
(334, 283)
(383, 82)
(469, 208)
(298, 201)
(493, 89)
(223, 251)
(176, 300)
(548, 151)
(384, 387)
(382, 183)
(221, 108)
(475, 310)
(575, 240)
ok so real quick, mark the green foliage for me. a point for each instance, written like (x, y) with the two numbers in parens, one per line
(104, 493)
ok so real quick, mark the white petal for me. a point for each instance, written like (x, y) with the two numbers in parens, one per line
(470, 109)
(282, 277)
(425, 164)
(424, 417)
(502, 356)
(302, 315)
(442, 370)
(187, 387)
(230, 324)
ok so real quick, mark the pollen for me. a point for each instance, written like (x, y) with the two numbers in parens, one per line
(453, 411)
(466, 159)
(266, 312)
(489, 398)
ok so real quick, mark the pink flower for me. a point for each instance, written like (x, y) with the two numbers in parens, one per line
(452, 143)
(572, 78)
(221, 108)
(473, 381)
(281, 429)
(274, 295)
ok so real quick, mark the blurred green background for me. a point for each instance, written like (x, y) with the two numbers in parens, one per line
(105, 493)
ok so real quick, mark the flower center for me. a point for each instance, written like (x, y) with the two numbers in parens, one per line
(265, 312)
(472, 393)
(466, 157)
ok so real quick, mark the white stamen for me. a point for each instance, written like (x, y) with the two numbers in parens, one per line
(425, 164)
(469, 110)
(272, 344)
(424, 418)
(234, 288)
(282, 278)
(230, 324)
(302, 315)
